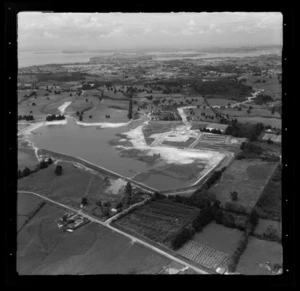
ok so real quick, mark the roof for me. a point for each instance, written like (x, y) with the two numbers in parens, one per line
(217, 126)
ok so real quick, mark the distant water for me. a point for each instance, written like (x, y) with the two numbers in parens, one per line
(27, 59)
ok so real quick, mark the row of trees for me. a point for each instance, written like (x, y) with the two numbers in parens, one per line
(51, 117)
(214, 130)
(26, 117)
(41, 165)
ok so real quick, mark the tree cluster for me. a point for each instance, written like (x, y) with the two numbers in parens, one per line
(247, 130)
(214, 130)
(41, 165)
(223, 86)
(51, 117)
(26, 117)
(262, 99)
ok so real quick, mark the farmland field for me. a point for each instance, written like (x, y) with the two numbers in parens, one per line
(219, 237)
(274, 122)
(248, 178)
(204, 255)
(68, 188)
(159, 220)
(271, 136)
(44, 249)
(257, 253)
(269, 203)
(218, 102)
(268, 229)
(26, 157)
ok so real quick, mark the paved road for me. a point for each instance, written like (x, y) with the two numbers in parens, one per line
(134, 239)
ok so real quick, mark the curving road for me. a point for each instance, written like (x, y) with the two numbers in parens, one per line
(106, 224)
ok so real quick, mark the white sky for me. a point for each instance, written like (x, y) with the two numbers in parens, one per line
(109, 31)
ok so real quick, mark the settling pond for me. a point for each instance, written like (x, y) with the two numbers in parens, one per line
(92, 144)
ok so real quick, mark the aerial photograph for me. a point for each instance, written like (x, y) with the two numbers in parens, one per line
(149, 143)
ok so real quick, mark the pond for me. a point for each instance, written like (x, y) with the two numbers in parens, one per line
(92, 144)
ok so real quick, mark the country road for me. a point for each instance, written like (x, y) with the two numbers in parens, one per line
(106, 224)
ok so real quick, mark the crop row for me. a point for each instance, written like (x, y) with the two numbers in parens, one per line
(172, 208)
(204, 255)
(154, 215)
(172, 215)
(174, 204)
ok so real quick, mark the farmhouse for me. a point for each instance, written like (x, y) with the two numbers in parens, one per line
(221, 127)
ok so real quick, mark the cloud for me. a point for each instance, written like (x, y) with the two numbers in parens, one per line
(191, 23)
(69, 29)
(49, 35)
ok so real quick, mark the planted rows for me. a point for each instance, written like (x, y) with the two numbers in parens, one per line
(204, 255)
(159, 221)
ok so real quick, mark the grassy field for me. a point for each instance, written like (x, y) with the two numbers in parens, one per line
(248, 178)
(268, 229)
(255, 112)
(44, 249)
(26, 205)
(269, 203)
(43, 105)
(68, 188)
(274, 122)
(219, 237)
(159, 220)
(26, 157)
(218, 102)
(271, 87)
(257, 253)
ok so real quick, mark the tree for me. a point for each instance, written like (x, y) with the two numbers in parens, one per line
(77, 113)
(253, 218)
(234, 196)
(129, 115)
(58, 170)
(26, 172)
(128, 193)
(157, 195)
(20, 174)
(219, 216)
(128, 189)
(84, 201)
(119, 205)
(43, 164)
(99, 203)
(49, 161)
(269, 141)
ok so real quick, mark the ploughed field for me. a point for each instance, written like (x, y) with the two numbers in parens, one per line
(158, 220)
